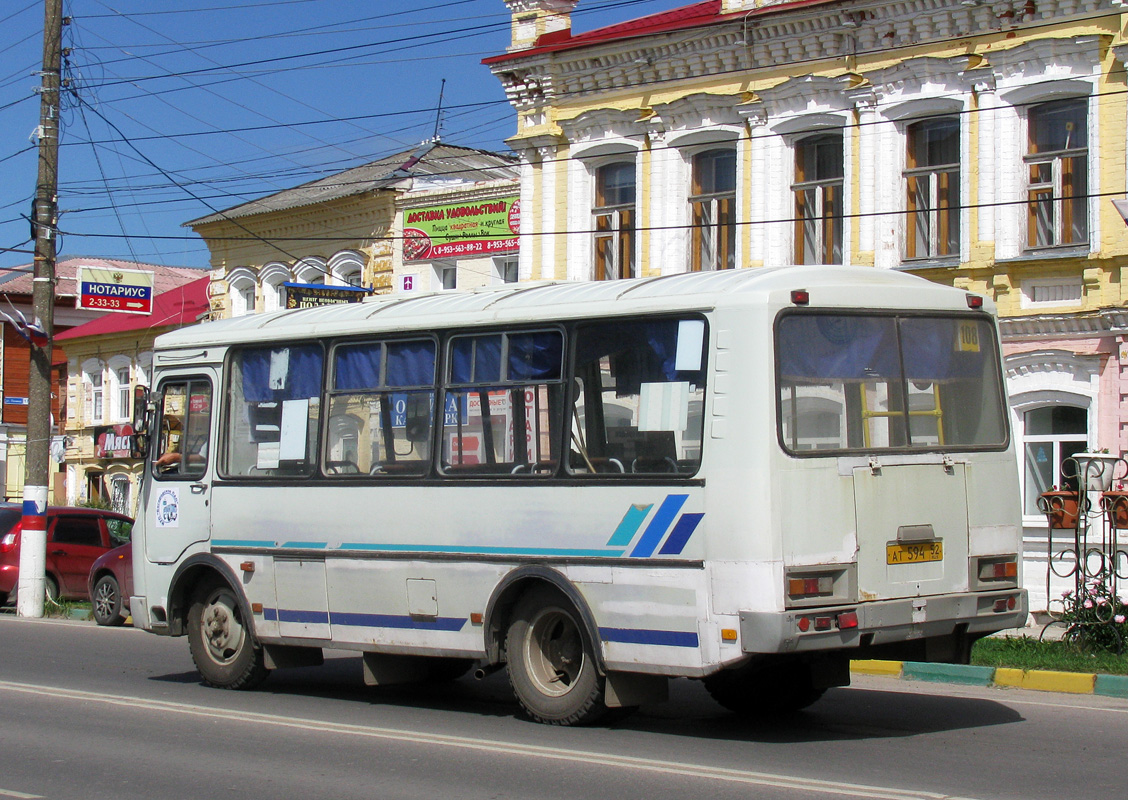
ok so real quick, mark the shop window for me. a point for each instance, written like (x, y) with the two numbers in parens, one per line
(1051, 434)
(818, 191)
(932, 179)
(1057, 180)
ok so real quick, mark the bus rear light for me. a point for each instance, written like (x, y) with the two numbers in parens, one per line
(823, 623)
(847, 619)
(804, 624)
(974, 301)
(998, 570)
(1005, 604)
(728, 634)
(800, 297)
(810, 587)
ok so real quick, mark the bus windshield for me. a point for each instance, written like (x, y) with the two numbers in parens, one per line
(870, 382)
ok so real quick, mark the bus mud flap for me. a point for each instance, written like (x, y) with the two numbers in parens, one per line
(628, 689)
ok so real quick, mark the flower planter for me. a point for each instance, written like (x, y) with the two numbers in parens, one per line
(1095, 470)
(1060, 507)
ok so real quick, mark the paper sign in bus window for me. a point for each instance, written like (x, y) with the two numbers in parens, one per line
(664, 406)
(691, 339)
(295, 423)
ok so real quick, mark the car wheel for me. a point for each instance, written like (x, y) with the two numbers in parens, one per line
(106, 601)
(551, 664)
(222, 645)
(51, 587)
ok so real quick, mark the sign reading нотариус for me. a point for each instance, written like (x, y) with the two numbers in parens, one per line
(128, 291)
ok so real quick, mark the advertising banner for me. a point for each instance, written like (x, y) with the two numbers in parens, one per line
(310, 295)
(113, 441)
(129, 291)
(461, 229)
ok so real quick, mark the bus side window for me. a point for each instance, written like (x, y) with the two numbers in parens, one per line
(638, 396)
(503, 404)
(273, 421)
(381, 406)
(184, 429)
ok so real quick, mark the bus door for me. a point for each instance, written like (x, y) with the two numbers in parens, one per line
(182, 468)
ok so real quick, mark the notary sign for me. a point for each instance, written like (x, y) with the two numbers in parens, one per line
(129, 291)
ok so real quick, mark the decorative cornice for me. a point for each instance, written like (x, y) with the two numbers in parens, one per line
(1080, 325)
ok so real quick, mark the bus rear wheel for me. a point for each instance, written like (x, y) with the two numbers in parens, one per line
(222, 646)
(551, 664)
(765, 690)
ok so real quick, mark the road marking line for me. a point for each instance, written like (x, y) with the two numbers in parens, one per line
(19, 795)
(681, 769)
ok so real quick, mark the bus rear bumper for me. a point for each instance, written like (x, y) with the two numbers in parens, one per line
(887, 624)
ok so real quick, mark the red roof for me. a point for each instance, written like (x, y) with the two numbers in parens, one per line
(177, 307)
(691, 16)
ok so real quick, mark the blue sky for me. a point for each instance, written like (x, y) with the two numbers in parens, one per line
(188, 106)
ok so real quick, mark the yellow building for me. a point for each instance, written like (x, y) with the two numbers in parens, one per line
(337, 231)
(978, 143)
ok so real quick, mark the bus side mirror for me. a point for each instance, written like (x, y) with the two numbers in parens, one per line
(143, 409)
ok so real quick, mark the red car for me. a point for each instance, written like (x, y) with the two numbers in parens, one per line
(111, 584)
(75, 538)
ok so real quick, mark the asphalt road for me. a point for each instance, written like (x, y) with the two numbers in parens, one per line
(89, 713)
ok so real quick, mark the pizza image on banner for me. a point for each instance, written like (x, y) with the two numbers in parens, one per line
(461, 229)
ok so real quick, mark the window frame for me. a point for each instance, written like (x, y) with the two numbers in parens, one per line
(1062, 209)
(155, 450)
(614, 225)
(941, 217)
(824, 189)
(708, 206)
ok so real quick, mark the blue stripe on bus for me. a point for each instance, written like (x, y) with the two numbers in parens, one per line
(243, 543)
(306, 545)
(468, 550)
(394, 621)
(292, 615)
(658, 525)
(629, 526)
(640, 636)
(685, 527)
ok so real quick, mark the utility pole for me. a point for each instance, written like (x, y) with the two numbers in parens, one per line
(44, 221)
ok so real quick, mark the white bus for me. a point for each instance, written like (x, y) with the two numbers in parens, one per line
(747, 477)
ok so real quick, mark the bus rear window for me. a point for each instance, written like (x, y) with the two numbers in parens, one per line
(873, 382)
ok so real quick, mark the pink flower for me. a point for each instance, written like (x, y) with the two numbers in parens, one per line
(1102, 601)
(1118, 619)
(1088, 604)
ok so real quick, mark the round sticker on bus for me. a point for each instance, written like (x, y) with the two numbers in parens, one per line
(168, 506)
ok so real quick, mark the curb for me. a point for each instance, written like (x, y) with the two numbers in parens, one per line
(1035, 680)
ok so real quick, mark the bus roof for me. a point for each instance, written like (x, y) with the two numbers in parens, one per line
(830, 286)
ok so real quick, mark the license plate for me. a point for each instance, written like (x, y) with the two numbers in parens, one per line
(915, 553)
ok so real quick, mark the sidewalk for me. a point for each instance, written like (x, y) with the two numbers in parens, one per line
(1037, 680)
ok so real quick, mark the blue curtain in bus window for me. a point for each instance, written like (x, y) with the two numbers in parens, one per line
(277, 374)
(823, 347)
(356, 367)
(411, 363)
(937, 349)
(535, 356)
(476, 359)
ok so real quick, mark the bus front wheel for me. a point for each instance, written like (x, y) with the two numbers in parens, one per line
(551, 665)
(222, 646)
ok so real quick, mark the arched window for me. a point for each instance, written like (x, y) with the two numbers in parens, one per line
(273, 276)
(347, 268)
(1051, 434)
(613, 220)
(242, 288)
(93, 381)
(311, 270)
(120, 389)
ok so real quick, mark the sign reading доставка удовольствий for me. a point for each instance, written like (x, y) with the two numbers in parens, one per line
(461, 229)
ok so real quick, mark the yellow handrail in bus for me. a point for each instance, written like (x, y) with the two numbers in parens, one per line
(935, 411)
